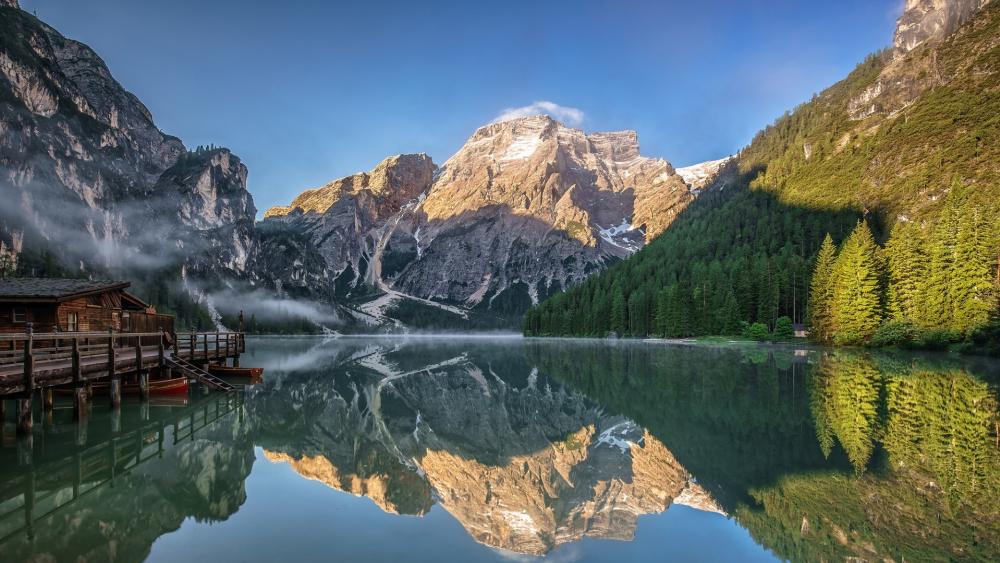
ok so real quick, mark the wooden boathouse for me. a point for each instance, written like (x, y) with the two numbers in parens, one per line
(70, 334)
(68, 305)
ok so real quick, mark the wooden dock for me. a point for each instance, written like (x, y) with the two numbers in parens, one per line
(37, 363)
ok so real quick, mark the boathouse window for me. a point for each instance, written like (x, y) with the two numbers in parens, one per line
(19, 315)
(72, 323)
(125, 322)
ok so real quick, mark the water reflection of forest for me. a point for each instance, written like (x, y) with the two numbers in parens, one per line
(821, 456)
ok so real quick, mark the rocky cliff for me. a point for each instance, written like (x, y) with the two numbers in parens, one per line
(931, 20)
(525, 208)
(912, 66)
(347, 218)
(88, 180)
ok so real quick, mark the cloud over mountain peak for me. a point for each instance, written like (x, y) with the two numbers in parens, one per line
(567, 115)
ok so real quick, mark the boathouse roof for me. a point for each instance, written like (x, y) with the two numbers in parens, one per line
(54, 289)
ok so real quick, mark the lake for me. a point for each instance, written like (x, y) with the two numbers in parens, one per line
(500, 449)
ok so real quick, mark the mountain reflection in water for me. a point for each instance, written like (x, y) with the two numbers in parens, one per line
(532, 445)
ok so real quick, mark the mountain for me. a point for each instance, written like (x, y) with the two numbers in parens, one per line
(525, 208)
(84, 167)
(91, 187)
(907, 144)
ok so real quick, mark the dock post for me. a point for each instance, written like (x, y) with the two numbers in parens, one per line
(116, 420)
(48, 413)
(115, 390)
(25, 422)
(80, 403)
(240, 341)
(81, 430)
(144, 385)
(142, 373)
(116, 383)
(205, 346)
(161, 357)
(80, 392)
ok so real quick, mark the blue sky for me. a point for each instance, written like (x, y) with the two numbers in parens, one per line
(308, 91)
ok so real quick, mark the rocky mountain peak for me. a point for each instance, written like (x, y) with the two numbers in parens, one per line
(525, 207)
(619, 147)
(931, 20)
(396, 180)
(907, 74)
(9, 3)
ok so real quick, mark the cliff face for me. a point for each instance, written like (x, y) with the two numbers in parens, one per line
(932, 20)
(912, 66)
(526, 207)
(86, 174)
(347, 218)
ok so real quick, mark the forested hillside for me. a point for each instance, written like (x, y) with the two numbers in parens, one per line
(904, 152)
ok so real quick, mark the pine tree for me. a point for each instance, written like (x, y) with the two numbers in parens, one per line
(936, 300)
(973, 284)
(619, 322)
(857, 291)
(821, 292)
(907, 271)
(767, 293)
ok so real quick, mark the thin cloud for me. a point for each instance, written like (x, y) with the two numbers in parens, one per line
(569, 116)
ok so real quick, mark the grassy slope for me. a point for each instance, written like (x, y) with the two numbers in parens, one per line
(900, 163)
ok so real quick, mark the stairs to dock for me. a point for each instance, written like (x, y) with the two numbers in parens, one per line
(191, 370)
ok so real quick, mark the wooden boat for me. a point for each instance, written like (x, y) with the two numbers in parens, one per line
(175, 386)
(227, 371)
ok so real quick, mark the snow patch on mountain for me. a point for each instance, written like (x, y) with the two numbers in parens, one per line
(697, 176)
(612, 234)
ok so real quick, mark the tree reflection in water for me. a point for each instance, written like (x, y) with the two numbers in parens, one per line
(534, 444)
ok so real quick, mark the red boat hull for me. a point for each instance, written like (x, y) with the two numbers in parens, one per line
(158, 387)
(226, 371)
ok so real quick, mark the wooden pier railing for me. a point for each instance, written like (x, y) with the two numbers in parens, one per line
(37, 362)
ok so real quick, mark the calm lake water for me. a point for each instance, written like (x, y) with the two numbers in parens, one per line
(499, 449)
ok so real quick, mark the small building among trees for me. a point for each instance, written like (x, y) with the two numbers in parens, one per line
(75, 305)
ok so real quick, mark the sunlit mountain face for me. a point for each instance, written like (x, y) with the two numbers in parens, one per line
(489, 448)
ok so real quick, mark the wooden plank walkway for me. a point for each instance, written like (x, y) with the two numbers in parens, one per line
(28, 364)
